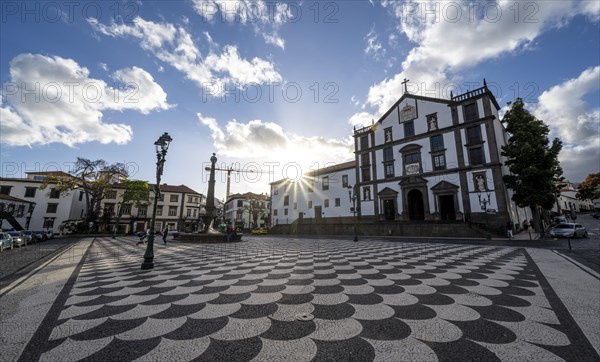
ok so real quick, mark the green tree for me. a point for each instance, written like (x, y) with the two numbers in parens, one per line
(535, 172)
(137, 193)
(589, 189)
(93, 178)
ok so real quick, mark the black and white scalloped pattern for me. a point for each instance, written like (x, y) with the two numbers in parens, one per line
(370, 301)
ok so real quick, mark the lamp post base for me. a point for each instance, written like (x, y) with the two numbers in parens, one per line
(148, 264)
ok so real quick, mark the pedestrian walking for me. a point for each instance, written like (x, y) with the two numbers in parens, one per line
(164, 236)
(509, 229)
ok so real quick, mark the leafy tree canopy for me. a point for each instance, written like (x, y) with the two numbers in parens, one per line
(589, 189)
(535, 172)
(91, 177)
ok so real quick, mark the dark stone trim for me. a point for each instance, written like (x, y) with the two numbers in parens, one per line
(420, 136)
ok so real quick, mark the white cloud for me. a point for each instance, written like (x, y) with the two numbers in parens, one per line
(53, 99)
(374, 47)
(265, 17)
(174, 45)
(362, 119)
(450, 40)
(269, 142)
(562, 107)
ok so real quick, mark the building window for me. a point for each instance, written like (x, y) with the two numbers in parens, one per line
(126, 209)
(366, 193)
(310, 204)
(54, 194)
(326, 203)
(474, 135)
(48, 223)
(30, 191)
(364, 142)
(275, 212)
(344, 181)
(388, 134)
(195, 213)
(286, 200)
(5, 190)
(159, 209)
(437, 143)
(409, 129)
(285, 212)
(471, 111)
(20, 210)
(142, 210)
(173, 210)
(109, 208)
(189, 213)
(439, 162)
(366, 174)
(295, 206)
(325, 183)
(81, 196)
(365, 160)
(51, 208)
(412, 163)
(389, 170)
(174, 198)
(240, 203)
(111, 194)
(311, 186)
(275, 191)
(338, 202)
(388, 154)
(476, 156)
(432, 123)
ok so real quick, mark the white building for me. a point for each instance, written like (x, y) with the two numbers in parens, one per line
(179, 209)
(247, 210)
(317, 195)
(568, 204)
(51, 207)
(425, 159)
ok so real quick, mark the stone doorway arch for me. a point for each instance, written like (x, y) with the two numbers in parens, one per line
(416, 209)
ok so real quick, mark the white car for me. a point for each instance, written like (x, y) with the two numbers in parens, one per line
(568, 230)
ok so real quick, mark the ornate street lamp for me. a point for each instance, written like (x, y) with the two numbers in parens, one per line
(484, 202)
(162, 145)
(352, 196)
(31, 207)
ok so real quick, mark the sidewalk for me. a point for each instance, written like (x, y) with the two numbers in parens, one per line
(302, 300)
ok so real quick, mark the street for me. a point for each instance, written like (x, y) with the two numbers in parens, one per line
(303, 299)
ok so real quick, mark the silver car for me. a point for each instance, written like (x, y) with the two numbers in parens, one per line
(18, 238)
(568, 230)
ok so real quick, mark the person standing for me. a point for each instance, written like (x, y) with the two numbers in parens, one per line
(164, 236)
(509, 229)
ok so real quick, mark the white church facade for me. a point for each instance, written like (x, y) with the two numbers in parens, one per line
(432, 160)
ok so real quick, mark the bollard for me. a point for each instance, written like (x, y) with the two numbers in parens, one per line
(570, 244)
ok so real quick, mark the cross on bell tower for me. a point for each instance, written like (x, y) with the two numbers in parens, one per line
(405, 87)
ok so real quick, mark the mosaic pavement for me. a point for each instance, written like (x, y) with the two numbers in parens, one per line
(266, 300)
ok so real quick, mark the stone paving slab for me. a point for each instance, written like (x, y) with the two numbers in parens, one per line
(315, 300)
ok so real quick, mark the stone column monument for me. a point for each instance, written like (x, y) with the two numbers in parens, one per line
(209, 219)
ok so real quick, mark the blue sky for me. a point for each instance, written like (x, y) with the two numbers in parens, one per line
(276, 85)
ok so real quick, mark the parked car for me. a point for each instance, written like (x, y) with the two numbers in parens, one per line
(18, 238)
(30, 237)
(560, 220)
(41, 235)
(568, 230)
(259, 231)
(6, 241)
